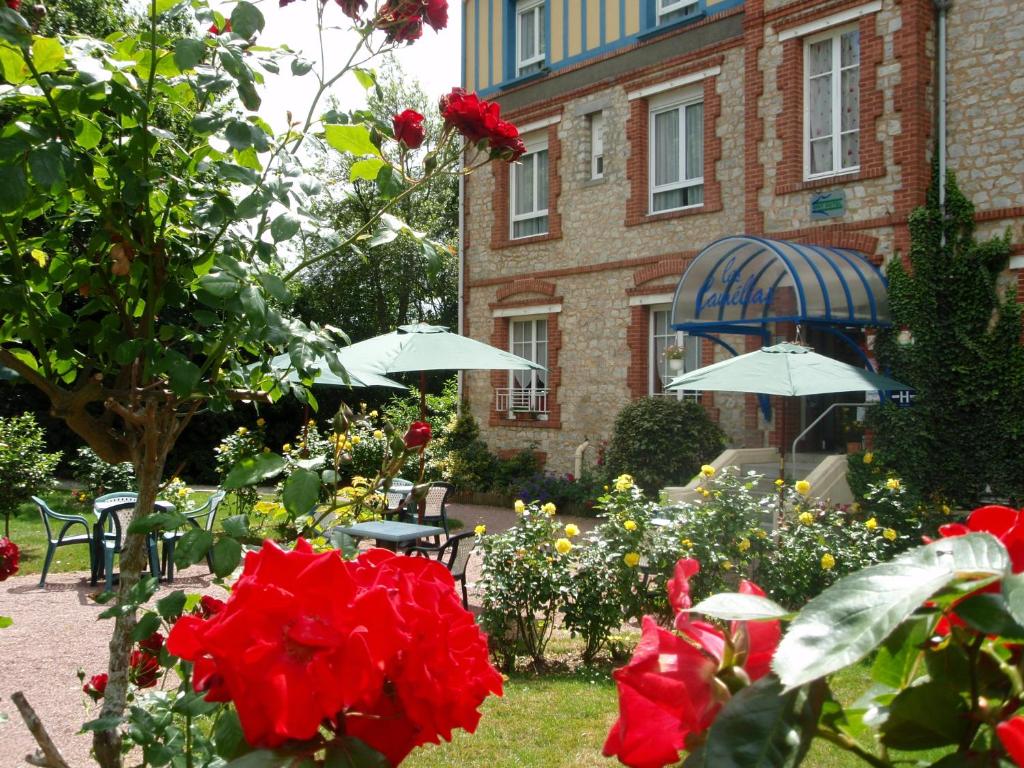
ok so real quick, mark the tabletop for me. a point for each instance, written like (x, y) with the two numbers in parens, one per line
(386, 530)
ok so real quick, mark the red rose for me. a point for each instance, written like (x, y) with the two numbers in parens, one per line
(96, 686)
(352, 8)
(14, 4)
(379, 648)
(480, 120)
(9, 556)
(669, 690)
(436, 14)
(409, 130)
(401, 21)
(1011, 734)
(152, 644)
(215, 30)
(209, 606)
(1004, 523)
(505, 143)
(418, 435)
(144, 669)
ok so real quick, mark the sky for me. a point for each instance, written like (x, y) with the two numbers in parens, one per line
(433, 59)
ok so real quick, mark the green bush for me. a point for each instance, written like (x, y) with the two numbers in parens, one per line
(662, 441)
(593, 608)
(243, 443)
(98, 477)
(25, 467)
(465, 461)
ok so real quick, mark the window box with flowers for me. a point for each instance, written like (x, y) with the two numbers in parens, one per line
(675, 357)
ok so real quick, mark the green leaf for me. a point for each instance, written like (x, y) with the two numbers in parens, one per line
(102, 724)
(5, 622)
(925, 716)
(46, 167)
(301, 67)
(228, 738)
(167, 521)
(262, 758)
(367, 78)
(87, 134)
(898, 655)
(227, 554)
(846, 621)
(758, 728)
(275, 286)
(246, 20)
(47, 54)
(353, 139)
(13, 66)
(182, 374)
(366, 169)
(148, 624)
(188, 53)
(163, 6)
(301, 492)
(734, 606)
(236, 526)
(219, 284)
(171, 606)
(1013, 591)
(13, 188)
(253, 469)
(284, 227)
(253, 305)
(987, 613)
(350, 752)
(192, 547)
(13, 27)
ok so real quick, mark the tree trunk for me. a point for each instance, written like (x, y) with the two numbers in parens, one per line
(149, 455)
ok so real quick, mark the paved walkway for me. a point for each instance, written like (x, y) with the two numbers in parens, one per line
(57, 631)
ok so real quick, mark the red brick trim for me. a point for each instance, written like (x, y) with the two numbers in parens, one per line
(837, 239)
(753, 123)
(526, 303)
(500, 226)
(795, 14)
(637, 167)
(570, 271)
(670, 268)
(651, 290)
(996, 214)
(499, 379)
(638, 343)
(789, 127)
(525, 286)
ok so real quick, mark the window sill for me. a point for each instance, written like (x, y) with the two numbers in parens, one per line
(671, 25)
(523, 79)
(866, 172)
(595, 182)
(524, 419)
(649, 218)
(510, 243)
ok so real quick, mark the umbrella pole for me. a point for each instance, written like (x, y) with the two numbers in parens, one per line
(421, 508)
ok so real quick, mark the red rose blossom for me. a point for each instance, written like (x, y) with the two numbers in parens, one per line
(215, 30)
(14, 4)
(152, 644)
(479, 120)
(435, 13)
(9, 557)
(209, 606)
(669, 690)
(1005, 523)
(409, 130)
(417, 435)
(401, 21)
(378, 648)
(1011, 734)
(144, 669)
(95, 686)
(352, 8)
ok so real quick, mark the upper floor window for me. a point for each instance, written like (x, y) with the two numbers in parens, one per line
(676, 153)
(528, 200)
(597, 145)
(832, 103)
(663, 369)
(673, 10)
(531, 36)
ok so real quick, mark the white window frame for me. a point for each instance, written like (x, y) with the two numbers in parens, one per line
(532, 148)
(597, 145)
(533, 374)
(667, 103)
(537, 8)
(667, 7)
(836, 74)
(692, 345)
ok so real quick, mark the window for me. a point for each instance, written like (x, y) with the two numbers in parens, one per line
(529, 192)
(832, 103)
(661, 370)
(597, 145)
(528, 390)
(673, 10)
(677, 155)
(531, 36)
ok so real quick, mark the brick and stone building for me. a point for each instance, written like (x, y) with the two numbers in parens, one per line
(657, 128)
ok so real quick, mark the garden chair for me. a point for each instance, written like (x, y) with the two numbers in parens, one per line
(203, 517)
(50, 521)
(435, 511)
(115, 512)
(454, 554)
(396, 495)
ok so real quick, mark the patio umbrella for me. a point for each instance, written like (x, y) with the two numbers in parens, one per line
(357, 377)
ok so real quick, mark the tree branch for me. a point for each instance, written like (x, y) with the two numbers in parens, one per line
(47, 756)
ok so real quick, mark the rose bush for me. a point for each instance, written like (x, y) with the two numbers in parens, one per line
(9, 557)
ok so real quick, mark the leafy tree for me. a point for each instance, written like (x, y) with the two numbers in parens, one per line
(25, 468)
(372, 292)
(963, 358)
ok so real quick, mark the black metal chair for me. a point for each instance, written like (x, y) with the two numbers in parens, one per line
(454, 554)
(62, 539)
(435, 510)
(115, 512)
(208, 514)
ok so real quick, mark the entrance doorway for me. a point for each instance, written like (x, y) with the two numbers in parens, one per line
(840, 426)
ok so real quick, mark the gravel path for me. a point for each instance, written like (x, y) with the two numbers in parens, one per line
(57, 631)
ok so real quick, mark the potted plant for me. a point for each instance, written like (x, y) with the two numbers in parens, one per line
(674, 355)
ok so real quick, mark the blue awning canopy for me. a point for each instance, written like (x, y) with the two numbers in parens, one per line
(743, 281)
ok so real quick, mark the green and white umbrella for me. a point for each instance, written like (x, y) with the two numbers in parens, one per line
(357, 377)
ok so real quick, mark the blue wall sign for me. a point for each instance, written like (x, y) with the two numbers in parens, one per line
(828, 205)
(731, 289)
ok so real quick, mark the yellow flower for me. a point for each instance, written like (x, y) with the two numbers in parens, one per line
(686, 543)
(707, 470)
(855, 507)
(761, 533)
(311, 423)
(629, 525)
(183, 492)
(377, 434)
(945, 509)
(373, 414)
(802, 487)
(623, 482)
(548, 509)
(871, 524)
(356, 439)
(703, 492)
(563, 546)
(743, 545)
(890, 534)
(827, 562)
(260, 422)
(571, 530)
(779, 482)
(266, 450)
(631, 559)
(243, 431)
(286, 447)
(869, 457)
(726, 565)
(520, 507)
(480, 530)
(806, 518)
(893, 484)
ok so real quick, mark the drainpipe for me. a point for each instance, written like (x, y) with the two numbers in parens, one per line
(461, 286)
(942, 7)
(581, 449)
